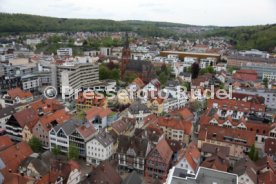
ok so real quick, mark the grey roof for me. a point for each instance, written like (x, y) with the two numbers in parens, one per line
(138, 144)
(104, 138)
(172, 83)
(39, 165)
(203, 175)
(246, 165)
(69, 126)
(137, 106)
(7, 111)
(133, 178)
(213, 149)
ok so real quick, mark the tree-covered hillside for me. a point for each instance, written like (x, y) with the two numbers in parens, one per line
(248, 37)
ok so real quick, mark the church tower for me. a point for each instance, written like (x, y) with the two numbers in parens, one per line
(125, 56)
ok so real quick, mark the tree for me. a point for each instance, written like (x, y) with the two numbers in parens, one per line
(195, 70)
(103, 72)
(163, 78)
(73, 152)
(253, 153)
(129, 77)
(56, 150)
(187, 85)
(35, 144)
(115, 74)
(265, 82)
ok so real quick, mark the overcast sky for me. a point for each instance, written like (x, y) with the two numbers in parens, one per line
(198, 12)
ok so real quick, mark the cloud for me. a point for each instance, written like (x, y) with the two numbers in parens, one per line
(198, 12)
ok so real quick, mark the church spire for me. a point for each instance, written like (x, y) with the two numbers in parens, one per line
(126, 46)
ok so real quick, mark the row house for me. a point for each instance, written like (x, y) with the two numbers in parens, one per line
(158, 161)
(46, 123)
(236, 109)
(100, 117)
(132, 152)
(99, 148)
(262, 130)
(239, 141)
(72, 132)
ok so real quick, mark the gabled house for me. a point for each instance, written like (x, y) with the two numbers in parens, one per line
(100, 148)
(139, 111)
(124, 126)
(16, 95)
(190, 160)
(19, 125)
(73, 132)
(46, 123)
(132, 152)
(176, 128)
(100, 117)
(5, 114)
(158, 161)
(246, 171)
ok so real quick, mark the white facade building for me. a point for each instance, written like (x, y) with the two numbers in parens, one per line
(64, 52)
(100, 148)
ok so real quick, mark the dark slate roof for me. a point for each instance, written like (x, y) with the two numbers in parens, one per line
(104, 174)
(9, 110)
(69, 126)
(172, 83)
(40, 166)
(137, 106)
(138, 144)
(138, 65)
(133, 178)
(104, 138)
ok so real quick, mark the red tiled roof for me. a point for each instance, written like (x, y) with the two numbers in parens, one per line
(27, 117)
(97, 111)
(164, 150)
(17, 92)
(235, 105)
(59, 116)
(176, 123)
(185, 113)
(87, 130)
(242, 137)
(268, 177)
(192, 155)
(46, 105)
(246, 75)
(14, 155)
(139, 82)
(5, 141)
(216, 162)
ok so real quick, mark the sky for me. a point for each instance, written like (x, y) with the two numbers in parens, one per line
(196, 12)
